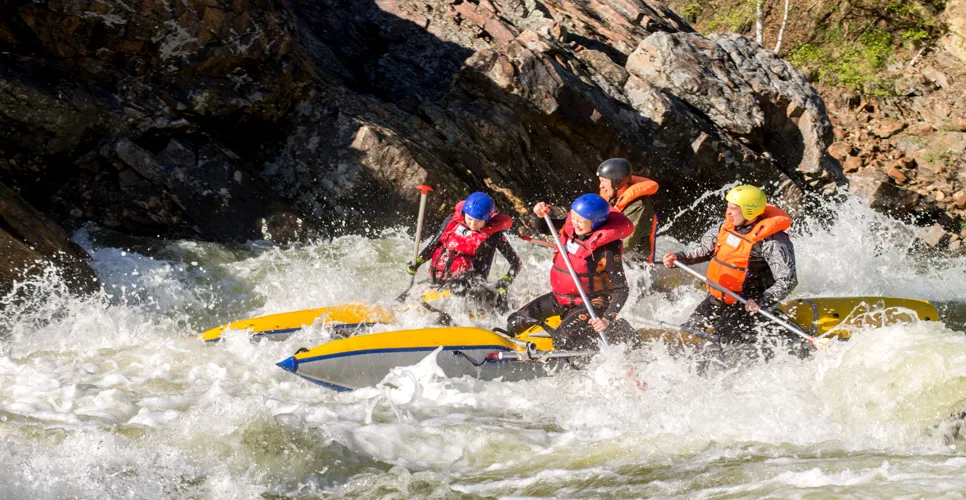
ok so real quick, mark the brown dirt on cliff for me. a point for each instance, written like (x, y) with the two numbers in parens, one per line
(893, 84)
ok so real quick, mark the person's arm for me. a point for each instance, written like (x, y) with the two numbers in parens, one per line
(433, 244)
(635, 212)
(703, 251)
(614, 267)
(509, 254)
(779, 253)
(542, 228)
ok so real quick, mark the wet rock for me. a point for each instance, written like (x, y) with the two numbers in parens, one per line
(210, 118)
(284, 228)
(882, 194)
(30, 241)
(932, 235)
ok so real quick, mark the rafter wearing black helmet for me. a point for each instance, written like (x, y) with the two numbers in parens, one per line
(631, 195)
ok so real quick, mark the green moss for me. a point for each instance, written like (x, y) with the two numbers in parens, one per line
(738, 18)
(854, 42)
(839, 62)
(691, 11)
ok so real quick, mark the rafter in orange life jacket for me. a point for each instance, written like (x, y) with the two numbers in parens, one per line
(729, 265)
(458, 245)
(637, 188)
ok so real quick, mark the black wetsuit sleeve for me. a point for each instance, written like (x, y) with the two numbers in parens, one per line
(542, 228)
(614, 267)
(434, 243)
(484, 255)
(509, 253)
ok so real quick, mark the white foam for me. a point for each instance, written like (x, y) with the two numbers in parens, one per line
(108, 396)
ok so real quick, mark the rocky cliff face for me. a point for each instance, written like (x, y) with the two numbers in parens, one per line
(239, 119)
(893, 75)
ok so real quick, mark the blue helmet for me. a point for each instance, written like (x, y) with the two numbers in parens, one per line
(479, 206)
(593, 208)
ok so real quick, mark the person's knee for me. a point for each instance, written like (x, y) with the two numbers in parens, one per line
(518, 322)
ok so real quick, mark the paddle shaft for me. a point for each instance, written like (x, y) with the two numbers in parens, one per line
(656, 323)
(535, 241)
(419, 222)
(423, 194)
(788, 326)
(573, 273)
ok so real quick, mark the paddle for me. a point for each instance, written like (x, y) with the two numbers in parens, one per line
(772, 317)
(573, 274)
(535, 241)
(423, 193)
(658, 324)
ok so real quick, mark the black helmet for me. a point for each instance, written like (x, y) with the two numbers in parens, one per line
(615, 169)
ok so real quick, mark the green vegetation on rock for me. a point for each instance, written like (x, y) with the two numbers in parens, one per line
(846, 45)
(851, 45)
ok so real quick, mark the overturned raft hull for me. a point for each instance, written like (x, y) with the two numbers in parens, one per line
(365, 360)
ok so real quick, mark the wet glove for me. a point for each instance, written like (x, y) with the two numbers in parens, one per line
(411, 267)
(501, 288)
(502, 285)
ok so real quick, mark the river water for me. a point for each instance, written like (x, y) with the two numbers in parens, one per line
(110, 397)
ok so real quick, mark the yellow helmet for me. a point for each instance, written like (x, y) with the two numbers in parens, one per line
(751, 200)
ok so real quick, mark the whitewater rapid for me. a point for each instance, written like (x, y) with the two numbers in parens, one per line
(110, 396)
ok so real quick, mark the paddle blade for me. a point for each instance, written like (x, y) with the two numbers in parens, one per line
(840, 316)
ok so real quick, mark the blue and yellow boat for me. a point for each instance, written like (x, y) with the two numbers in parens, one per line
(364, 360)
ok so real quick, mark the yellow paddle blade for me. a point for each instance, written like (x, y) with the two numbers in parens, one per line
(840, 316)
(345, 316)
(431, 295)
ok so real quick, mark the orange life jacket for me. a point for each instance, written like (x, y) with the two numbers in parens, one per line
(595, 282)
(729, 266)
(458, 245)
(639, 187)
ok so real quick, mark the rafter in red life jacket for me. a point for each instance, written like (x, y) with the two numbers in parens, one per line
(458, 245)
(593, 277)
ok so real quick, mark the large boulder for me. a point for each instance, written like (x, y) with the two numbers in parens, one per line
(955, 40)
(30, 243)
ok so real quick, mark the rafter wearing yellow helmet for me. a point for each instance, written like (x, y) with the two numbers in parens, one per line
(751, 200)
(750, 254)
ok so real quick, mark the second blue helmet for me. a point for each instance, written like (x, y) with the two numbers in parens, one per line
(479, 206)
(593, 208)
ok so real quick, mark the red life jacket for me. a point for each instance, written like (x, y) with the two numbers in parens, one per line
(729, 266)
(595, 282)
(458, 245)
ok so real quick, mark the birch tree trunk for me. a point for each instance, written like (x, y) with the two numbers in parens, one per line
(781, 31)
(759, 30)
